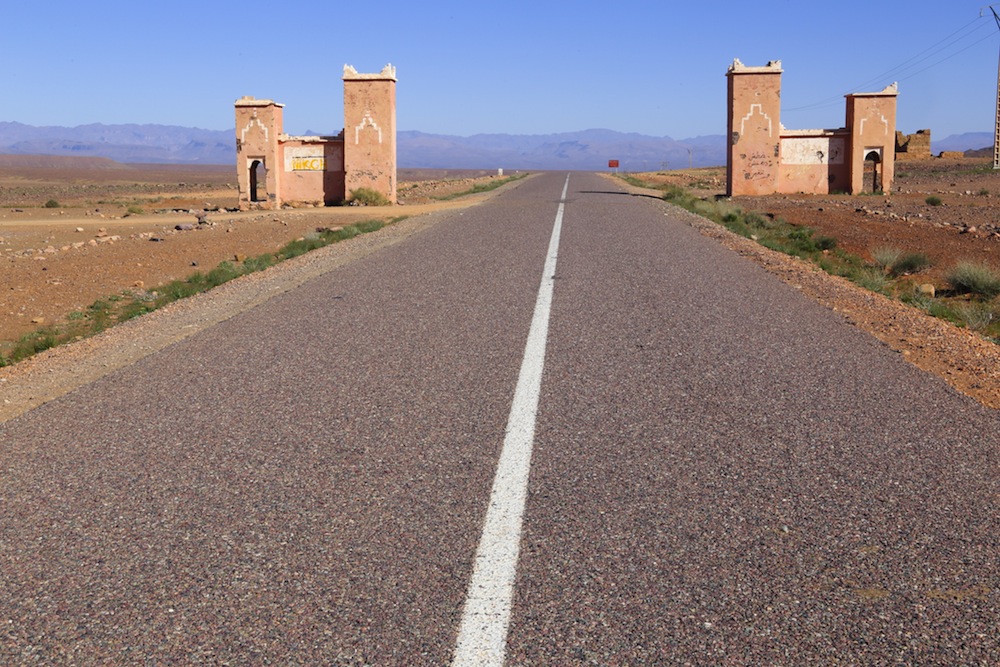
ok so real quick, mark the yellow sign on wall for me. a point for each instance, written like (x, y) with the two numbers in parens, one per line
(304, 159)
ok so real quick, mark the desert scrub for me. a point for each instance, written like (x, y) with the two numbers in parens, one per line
(895, 263)
(52, 203)
(368, 197)
(109, 311)
(910, 263)
(975, 315)
(975, 278)
(872, 278)
(885, 257)
(933, 201)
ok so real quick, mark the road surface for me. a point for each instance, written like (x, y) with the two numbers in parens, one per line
(698, 466)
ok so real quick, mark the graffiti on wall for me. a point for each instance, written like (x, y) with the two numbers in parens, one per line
(758, 166)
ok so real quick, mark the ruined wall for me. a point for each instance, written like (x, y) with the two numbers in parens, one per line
(319, 170)
(913, 146)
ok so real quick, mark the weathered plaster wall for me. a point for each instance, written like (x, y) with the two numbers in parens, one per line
(313, 170)
(813, 162)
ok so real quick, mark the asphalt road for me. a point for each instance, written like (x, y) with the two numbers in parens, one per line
(721, 471)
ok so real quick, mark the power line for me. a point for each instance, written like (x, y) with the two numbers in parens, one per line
(916, 59)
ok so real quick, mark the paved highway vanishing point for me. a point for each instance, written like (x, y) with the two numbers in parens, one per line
(558, 428)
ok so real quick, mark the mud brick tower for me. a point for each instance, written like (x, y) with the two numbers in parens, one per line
(754, 128)
(258, 127)
(370, 131)
(871, 121)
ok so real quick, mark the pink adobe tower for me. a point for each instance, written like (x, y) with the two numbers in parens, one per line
(370, 131)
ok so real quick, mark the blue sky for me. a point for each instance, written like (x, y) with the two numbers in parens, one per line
(464, 68)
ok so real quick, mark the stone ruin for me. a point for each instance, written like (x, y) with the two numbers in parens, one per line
(275, 169)
(913, 146)
(766, 158)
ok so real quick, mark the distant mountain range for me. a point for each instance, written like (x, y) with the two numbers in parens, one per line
(969, 141)
(587, 150)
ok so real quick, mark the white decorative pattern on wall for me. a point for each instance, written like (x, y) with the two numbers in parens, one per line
(367, 121)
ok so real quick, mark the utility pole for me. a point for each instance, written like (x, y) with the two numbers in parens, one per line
(996, 129)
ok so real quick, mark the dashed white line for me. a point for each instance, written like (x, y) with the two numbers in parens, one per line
(482, 635)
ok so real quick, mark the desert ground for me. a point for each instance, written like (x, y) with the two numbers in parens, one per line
(56, 261)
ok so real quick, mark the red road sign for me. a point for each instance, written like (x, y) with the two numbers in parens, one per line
(612, 164)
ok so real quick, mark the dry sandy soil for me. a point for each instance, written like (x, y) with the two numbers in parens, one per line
(59, 260)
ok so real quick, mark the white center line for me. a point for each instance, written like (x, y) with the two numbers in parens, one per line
(482, 635)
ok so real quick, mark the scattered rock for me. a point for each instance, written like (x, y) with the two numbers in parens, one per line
(185, 227)
(926, 289)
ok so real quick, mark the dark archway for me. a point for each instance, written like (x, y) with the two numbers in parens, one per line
(258, 181)
(873, 172)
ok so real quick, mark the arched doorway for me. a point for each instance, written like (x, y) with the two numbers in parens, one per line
(873, 170)
(258, 181)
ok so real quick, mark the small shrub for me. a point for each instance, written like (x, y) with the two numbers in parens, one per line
(911, 262)
(976, 316)
(975, 278)
(886, 257)
(871, 278)
(984, 192)
(259, 263)
(894, 263)
(933, 201)
(223, 273)
(52, 203)
(368, 197)
(135, 210)
(825, 242)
